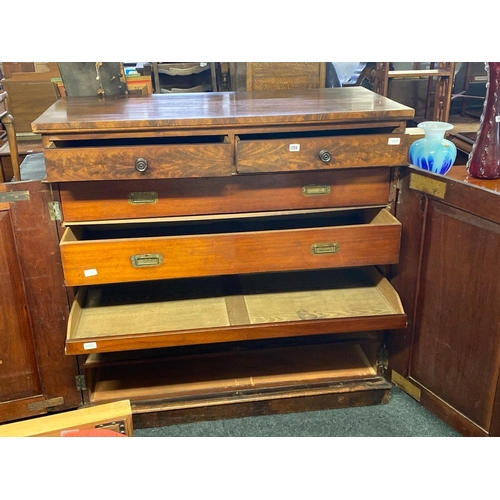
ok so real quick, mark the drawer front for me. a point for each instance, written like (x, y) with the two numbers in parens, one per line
(97, 256)
(138, 162)
(313, 153)
(109, 200)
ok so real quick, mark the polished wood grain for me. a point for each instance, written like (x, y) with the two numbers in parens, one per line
(216, 110)
(108, 200)
(228, 245)
(450, 275)
(231, 246)
(19, 380)
(291, 154)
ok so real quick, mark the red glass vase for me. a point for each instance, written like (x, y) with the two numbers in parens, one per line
(484, 159)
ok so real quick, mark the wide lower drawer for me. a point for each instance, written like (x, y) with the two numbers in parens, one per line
(105, 200)
(238, 245)
(236, 373)
(254, 154)
(180, 312)
(141, 158)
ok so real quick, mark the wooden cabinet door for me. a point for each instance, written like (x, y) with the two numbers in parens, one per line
(449, 283)
(35, 375)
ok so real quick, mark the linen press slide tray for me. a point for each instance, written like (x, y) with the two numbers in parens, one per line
(145, 315)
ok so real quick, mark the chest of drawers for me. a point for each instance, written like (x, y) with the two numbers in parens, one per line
(225, 252)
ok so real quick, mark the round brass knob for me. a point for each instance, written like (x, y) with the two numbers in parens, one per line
(141, 164)
(325, 156)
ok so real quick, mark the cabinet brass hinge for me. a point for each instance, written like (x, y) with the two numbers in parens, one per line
(11, 196)
(48, 403)
(80, 382)
(55, 210)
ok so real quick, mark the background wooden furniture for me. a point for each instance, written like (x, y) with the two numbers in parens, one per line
(8, 122)
(439, 88)
(184, 77)
(29, 95)
(448, 358)
(277, 75)
(220, 240)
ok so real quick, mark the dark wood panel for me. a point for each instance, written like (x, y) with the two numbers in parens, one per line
(343, 395)
(18, 370)
(46, 298)
(456, 351)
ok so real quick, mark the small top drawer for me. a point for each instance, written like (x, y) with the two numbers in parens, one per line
(138, 158)
(275, 153)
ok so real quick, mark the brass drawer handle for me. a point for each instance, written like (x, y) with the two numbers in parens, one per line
(141, 164)
(142, 197)
(324, 248)
(147, 260)
(316, 190)
(325, 156)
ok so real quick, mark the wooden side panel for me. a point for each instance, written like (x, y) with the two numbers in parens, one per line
(456, 352)
(18, 371)
(404, 276)
(46, 298)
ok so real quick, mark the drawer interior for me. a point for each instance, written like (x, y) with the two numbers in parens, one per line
(226, 308)
(228, 224)
(315, 133)
(136, 141)
(246, 369)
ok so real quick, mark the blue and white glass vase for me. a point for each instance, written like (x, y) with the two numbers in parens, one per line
(433, 152)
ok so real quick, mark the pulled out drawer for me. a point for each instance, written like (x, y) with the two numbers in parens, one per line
(234, 373)
(107, 200)
(166, 313)
(138, 158)
(302, 151)
(113, 253)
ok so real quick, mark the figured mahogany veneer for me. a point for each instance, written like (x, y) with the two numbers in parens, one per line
(196, 220)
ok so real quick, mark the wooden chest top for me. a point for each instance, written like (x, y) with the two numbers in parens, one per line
(219, 110)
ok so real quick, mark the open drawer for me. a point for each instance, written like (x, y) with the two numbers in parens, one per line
(115, 253)
(323, 150)
(241, 372)
(138, 157)
(180, 312)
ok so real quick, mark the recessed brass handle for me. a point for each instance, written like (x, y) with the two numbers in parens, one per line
(147, 260)
(325, 156)
(324, 248)
(141, 164)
